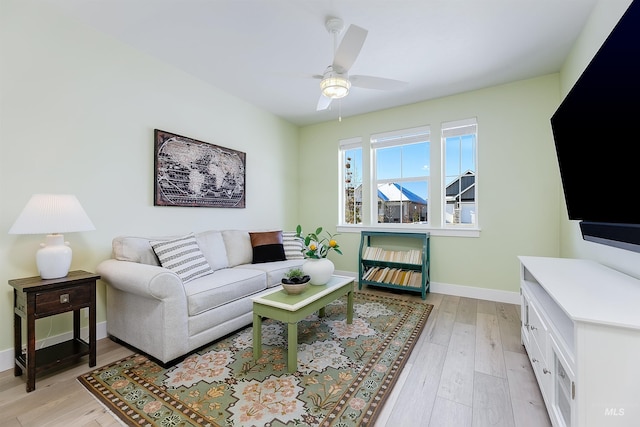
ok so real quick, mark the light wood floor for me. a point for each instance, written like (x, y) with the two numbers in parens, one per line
(468, 368)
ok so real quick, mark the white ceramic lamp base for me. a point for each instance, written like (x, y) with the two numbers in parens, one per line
(54, 257)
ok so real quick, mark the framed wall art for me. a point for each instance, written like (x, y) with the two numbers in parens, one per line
(195, 173)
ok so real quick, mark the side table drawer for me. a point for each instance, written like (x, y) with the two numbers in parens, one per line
(62, 300)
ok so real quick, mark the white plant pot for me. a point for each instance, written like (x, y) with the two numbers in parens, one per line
(319, 270)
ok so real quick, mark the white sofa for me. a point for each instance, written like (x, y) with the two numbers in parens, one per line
(150, 308)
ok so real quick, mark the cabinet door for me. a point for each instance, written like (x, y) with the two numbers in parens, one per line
(534, 337)
(563, 386)
(539, 350)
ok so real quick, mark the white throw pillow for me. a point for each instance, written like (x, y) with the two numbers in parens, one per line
(182, 256)
(238, 244)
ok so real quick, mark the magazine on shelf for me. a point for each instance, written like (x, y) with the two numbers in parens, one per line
(412, 256)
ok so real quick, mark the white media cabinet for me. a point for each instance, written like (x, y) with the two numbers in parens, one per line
(581, 330)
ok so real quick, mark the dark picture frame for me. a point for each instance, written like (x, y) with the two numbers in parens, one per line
(193, 173)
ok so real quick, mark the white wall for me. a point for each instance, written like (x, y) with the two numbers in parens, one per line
(603, 19)
(78, 110)
(518, 192)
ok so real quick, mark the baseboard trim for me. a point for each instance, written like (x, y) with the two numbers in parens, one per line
(463, 291)
(6, 356)
(477, 293)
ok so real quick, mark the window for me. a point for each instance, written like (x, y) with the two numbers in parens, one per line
(351, 181)
(459, 150)
(401, 180)
(386, 180)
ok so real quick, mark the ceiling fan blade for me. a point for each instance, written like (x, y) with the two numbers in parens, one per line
(380, 83)
(349, 48)
(323, 103)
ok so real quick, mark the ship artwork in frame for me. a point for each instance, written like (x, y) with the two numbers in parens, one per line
(195, 173)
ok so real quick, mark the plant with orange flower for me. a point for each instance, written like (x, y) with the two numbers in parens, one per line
(318, 246)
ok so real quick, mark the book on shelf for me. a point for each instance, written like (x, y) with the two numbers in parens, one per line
(405, 277)
(394, 276)
(369, 273)
(390, 275)
(387, 277)
(412, 256)
(416, 280)
(381, 274)
(367, 253)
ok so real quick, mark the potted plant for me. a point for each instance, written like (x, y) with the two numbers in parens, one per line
(316, 248)
(295, 281)
(316, 245)
(295, 276)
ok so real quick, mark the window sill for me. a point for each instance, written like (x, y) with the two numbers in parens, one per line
(434, 231)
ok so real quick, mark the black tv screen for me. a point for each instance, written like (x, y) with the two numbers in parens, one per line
(596, 132)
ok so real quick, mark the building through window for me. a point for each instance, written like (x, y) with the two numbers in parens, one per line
(402, 169)
(459, 148)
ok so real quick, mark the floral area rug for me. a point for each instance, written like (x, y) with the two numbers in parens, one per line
(345, 372)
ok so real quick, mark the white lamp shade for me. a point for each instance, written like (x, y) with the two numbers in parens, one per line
(51, 214)
(335, 86)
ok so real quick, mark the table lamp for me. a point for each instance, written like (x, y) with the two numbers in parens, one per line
(52, 214)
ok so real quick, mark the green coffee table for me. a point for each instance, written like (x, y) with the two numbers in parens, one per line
(291, 309)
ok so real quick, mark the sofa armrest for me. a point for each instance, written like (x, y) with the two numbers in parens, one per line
(141, 279)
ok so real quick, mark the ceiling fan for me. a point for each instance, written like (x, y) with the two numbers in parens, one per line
(335, 82)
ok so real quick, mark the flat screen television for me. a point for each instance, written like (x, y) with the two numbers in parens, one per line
(596, 131)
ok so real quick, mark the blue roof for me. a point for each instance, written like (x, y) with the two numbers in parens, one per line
(409, 195)
(382, 196)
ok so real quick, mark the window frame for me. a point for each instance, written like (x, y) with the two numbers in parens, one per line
(346, 145)
(458, 128)
(434, 226)
(397, 138)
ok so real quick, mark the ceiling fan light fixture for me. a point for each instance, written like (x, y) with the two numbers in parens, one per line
(335, 86)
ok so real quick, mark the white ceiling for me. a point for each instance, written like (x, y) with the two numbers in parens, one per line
(265, 51)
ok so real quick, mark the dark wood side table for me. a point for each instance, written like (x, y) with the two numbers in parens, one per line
(35, 298)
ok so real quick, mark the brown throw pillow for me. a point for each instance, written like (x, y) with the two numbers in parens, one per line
(267, 246)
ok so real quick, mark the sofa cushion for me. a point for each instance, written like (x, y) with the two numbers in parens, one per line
(182, 256)
(238, 244)
(293, 245)
(212, 246)
(135, 249)
(267, 246)
(223, 286)
(275, 271)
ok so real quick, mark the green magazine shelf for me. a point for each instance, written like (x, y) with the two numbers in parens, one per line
(395, 260)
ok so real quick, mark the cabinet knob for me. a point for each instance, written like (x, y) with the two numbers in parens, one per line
(545, 371)
(534, 360)
(533, 328)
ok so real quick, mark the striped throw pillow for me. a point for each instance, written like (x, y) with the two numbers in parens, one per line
(182, 256)
(293, 245)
